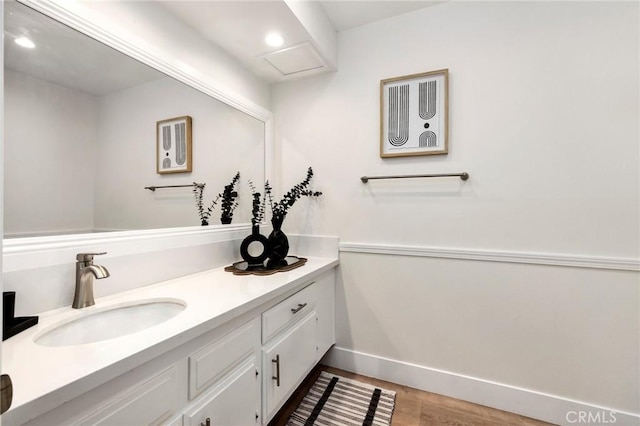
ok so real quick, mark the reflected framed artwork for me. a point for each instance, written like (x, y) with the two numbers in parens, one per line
(173, 146)
(414, 114)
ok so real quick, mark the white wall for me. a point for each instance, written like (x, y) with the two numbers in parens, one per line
(544, 116)
(225, 141)
(48, 167)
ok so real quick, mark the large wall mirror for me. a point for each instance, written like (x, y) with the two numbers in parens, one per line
(80, 137)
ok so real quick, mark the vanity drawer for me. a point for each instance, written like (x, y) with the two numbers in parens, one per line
(288, 311)
(211, 363)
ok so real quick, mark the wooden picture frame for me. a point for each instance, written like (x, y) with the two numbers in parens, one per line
(414, 114)
(173, 145)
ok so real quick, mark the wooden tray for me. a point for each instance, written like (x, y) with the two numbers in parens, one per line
(267, 268)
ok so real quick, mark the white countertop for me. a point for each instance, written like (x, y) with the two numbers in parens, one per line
(212, 298)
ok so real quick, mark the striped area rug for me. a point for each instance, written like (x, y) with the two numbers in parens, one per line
(336, 401)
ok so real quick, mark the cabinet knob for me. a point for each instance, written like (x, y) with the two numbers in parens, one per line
(207, 422)
(277, 376)
(299, 308)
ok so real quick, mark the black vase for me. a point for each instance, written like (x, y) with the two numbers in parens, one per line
(278, 242)
(255, 248)
(225, 220)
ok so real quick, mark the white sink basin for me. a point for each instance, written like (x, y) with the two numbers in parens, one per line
(111, 322)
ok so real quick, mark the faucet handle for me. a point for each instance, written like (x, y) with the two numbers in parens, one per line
(87, 257)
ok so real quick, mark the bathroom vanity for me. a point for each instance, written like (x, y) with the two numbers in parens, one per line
(236, 350)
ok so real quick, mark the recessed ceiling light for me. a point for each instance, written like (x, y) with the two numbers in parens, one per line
(274, 39)
(25, 42)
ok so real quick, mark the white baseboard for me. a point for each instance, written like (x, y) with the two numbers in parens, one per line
(529, 403)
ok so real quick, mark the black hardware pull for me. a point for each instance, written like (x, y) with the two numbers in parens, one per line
(299, 308)
(277, 376)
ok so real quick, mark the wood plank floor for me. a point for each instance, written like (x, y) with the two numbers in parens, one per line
(415, 407)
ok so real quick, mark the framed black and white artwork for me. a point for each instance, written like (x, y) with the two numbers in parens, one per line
(173, 146)
(414, 114)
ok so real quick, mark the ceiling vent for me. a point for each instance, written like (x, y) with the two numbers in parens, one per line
(302, 58)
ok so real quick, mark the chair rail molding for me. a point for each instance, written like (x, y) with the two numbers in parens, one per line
(549, 259)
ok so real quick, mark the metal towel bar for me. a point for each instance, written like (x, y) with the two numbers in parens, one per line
(153, 188)
(463, 176)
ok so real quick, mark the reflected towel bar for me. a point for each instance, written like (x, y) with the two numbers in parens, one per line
(463, 176)
(153, 188)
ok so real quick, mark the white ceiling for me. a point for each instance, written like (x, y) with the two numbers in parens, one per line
(240, 26)
(350, 14)
(237, 26)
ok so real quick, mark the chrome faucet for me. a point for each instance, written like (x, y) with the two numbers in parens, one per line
(85, 272)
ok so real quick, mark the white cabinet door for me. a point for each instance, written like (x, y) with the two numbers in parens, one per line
(151, 402)
(212, 362)
(234, 401)
(286, 361)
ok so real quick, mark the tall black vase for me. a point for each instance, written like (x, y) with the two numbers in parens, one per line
(255, 248)
(278, 242)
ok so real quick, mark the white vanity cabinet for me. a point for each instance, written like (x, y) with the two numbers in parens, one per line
(287, 360)
(239, 372)
(148, 395)
(224, 380)
(233, 401)
(296, 333)
(149, 402)
(225, 377)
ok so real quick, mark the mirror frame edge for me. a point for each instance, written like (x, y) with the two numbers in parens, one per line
(18, 252)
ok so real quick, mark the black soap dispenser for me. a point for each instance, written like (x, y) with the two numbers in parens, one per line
(12, 325)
